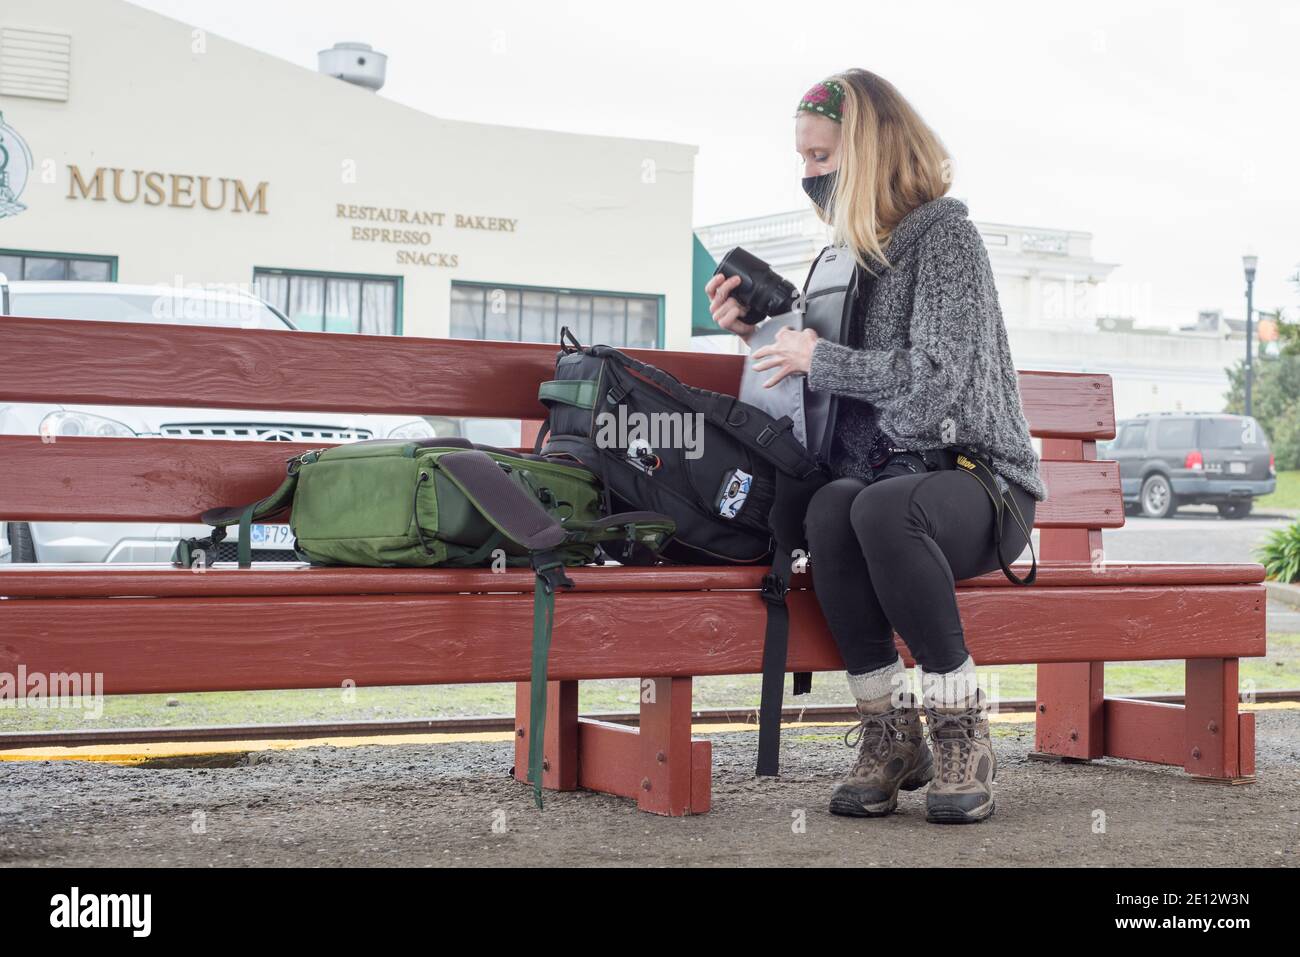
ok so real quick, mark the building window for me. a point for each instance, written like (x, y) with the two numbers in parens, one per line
(334, 302)
(16, 264)
(532, 314)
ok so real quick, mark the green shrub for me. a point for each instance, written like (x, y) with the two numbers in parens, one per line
(1280, 553)
(1286, 438)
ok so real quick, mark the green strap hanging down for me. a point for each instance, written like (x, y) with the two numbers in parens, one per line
(244, 548)
(550, 575)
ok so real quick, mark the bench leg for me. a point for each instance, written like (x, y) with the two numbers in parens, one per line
(560, 751)
(657, 763)
(1068, 721)
(664, 757)
(1219, 741)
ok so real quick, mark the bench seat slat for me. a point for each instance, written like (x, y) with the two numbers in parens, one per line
(218, 644)
(174, 480)
(116, 363)
(98, 581)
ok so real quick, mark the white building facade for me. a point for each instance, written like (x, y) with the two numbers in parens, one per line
(138, 148)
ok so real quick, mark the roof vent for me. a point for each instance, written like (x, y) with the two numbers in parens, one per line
(355, 63)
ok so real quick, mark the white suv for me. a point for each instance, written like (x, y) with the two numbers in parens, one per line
(130, 542)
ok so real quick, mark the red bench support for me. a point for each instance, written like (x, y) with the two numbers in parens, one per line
(1206, 735)
(657, 763)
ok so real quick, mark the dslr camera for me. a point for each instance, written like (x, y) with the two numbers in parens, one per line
(761, 291)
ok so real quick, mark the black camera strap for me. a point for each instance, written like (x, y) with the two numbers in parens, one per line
(970, 463)
(964, 459)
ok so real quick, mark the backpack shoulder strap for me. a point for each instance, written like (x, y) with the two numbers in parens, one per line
(510, 509)
(243, 516)
(786, 520)
(273, 504)
(773, 439)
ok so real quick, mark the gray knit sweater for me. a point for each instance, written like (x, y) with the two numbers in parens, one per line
(930, 364)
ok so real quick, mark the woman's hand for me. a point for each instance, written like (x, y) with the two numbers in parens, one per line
(727, 311)
(790, 354)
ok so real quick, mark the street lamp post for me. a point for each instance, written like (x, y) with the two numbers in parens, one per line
(1249, 263)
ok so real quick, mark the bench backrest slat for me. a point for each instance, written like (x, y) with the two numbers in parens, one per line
(112, 363)
(99, 363)
(103, 363)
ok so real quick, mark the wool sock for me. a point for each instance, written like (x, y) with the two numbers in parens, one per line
(949, 689)
(872, 685)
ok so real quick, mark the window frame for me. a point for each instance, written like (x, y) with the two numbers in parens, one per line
(111, 261)
(558, 292)
(290, 272)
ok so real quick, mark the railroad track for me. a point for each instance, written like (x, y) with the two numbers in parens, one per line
(812, 714)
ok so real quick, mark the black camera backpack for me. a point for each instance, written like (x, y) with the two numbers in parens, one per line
(735, 480)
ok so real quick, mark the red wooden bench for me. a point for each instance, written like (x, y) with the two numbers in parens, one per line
(160, 629)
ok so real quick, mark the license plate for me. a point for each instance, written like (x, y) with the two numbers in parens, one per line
(1237, 468)
(270, 536)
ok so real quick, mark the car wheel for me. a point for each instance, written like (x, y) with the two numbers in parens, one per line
(1158, 497)
(1235, 509)
(20, 541)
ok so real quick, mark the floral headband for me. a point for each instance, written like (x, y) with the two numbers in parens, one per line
(826, 98)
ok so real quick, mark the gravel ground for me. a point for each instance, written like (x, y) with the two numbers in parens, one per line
(453, 804)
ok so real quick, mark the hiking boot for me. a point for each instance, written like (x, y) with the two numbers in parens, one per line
(962, 790)
(893, 755)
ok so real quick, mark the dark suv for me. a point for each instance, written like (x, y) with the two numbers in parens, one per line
(1167, 459)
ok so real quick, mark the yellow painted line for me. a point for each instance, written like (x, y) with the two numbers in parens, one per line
(128, 754)
(48, 755)
(137, 753)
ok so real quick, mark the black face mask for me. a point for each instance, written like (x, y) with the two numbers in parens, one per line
(820, 188)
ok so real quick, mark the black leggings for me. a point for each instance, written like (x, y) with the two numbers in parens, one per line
(885, 557)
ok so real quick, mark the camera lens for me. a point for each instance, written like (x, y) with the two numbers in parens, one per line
(900, 463)
(762, 291)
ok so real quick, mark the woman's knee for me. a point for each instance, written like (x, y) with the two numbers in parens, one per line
(883, 509)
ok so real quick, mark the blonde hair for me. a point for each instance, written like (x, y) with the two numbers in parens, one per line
(891, 162)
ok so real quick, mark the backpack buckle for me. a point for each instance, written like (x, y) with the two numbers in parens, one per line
(771, 432)
(774, 589)
(550, 572)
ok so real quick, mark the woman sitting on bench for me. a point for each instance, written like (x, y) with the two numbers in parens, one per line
(924, 369)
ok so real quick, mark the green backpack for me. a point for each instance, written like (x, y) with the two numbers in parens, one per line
(444, 502)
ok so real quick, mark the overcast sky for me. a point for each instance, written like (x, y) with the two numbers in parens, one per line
(1167, 130)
